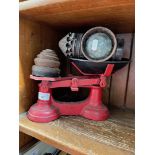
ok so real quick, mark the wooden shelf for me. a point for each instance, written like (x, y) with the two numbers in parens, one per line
(117, 15)
(77, 135)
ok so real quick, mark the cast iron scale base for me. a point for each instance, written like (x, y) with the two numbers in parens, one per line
(47, 108)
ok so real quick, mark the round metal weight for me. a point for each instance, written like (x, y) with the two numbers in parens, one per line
(46, 63)
(47, 56)
(98, 44)
(45, 71)
(48, 51)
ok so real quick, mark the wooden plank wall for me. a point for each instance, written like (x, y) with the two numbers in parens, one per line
(130, 97)
(120, 91)
(33, 38)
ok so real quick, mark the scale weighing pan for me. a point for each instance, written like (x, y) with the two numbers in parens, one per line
(89, 67)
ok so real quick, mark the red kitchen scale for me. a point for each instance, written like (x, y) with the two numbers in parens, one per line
(48, 109)
(95, 54)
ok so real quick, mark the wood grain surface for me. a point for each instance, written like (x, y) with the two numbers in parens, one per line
(117, 15)
(130, 96)
(77, 135)
(24, 139)
(119, 79)
(106, 92)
